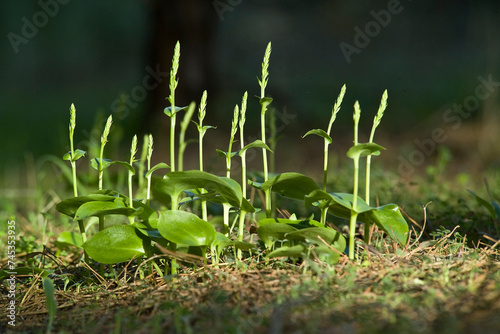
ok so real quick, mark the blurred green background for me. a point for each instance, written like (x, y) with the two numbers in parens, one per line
(428, 54)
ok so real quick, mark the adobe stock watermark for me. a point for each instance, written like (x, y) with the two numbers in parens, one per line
(154, 77)
(452, 120)
(362, 38)
(223, 6)
(30, 28)
(123, 105)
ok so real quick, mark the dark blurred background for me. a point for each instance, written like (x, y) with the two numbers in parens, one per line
(113, 57)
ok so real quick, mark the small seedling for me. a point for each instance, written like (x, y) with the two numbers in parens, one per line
(264, 103)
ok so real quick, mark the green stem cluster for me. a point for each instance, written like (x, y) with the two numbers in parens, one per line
(264, 102)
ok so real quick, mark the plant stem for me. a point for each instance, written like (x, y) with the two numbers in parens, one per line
(201, 134)
(150, 154)
(133, 151)
(354, 213)
(335, 110)
(172, 142)
(104, 140)
(72, 126)
(264, 103)
(242, 217)
(376, 122)
(242, 144)
(173, 110)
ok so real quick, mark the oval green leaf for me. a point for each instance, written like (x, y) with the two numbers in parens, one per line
(118, 243)
(185, 228)
(65, 239)
(319, 132)
(292, 185)
(391, 221)
(105, 163)
(174, 183)
(363, 150)
(312, 235)
(156, 167)
(99, 209)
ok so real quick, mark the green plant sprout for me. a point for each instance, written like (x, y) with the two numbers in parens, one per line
(228, 155)
(354, 213)
(172, 110)
(149, 155)
(326, 135)
(202, 129)
(104, 139)
(376, 121)
(264, 103)
(133, 151)
(243, 154)
(327, 141)
(182, 134)
(241, 124)
(73, 155)
(355, 153)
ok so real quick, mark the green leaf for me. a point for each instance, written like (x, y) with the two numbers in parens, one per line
(391, 221)
(174, 183)
(65, 239)
(485, 204)
(273, 231)
(147, 215)
(70, 206)
(255, 144)
(125, 164)
(108, 162)
(222, 154)
(96, 161)
(296, 251)
(246, 206)
(221, 242)
(168, 110)
(185, 228)
(99, 209)
(320, 133)
(340, 204)
(50, 300)
(363, 150)
(118, 243)
(265, 101)
(156, 167)
(77, 155)
(312, 234)
(292, 185)
(297, 223)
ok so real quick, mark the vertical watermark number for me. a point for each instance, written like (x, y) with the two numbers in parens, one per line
(11, 270)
